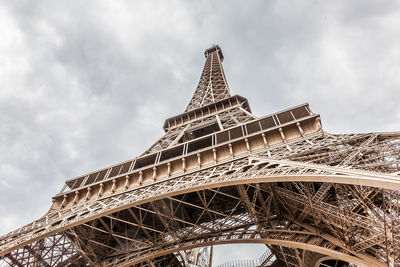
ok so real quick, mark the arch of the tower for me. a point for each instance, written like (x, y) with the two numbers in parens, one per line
(276, 213)
(243, 212)
(327, 254)
(255, 199)
(275, 202)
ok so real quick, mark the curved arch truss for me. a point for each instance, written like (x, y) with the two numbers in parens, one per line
(292, 205)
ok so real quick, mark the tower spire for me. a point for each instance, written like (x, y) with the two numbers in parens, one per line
(212, 86)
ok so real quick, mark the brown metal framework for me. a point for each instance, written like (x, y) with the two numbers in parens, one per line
(220, 175)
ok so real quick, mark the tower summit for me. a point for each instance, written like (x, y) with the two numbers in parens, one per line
(212, 85)
(220, 175)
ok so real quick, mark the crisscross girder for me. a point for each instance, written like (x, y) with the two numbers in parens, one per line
(212, 86)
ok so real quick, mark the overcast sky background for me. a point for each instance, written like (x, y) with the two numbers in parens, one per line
(86, 84)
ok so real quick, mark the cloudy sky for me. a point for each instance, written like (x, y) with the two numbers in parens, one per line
(87, 84)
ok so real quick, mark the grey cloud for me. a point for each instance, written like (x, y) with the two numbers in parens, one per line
(83, 86)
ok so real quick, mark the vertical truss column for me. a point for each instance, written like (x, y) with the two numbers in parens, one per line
(212, 86)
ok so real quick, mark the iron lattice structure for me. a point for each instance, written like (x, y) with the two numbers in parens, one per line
(220, 175)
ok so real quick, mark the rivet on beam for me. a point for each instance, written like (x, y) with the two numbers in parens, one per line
(169, 169)
(127, 182)
(199, 159)
(113, 186)
(76, 197)
(247, 144)
(300, 129)
(230, 149)
(154, 173)
(140, 177)
(215, 154)
(64, 201)
(100, 193)
(88, 194)
(183, 164)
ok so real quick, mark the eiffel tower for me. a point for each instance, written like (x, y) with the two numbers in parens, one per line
(220, 175)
